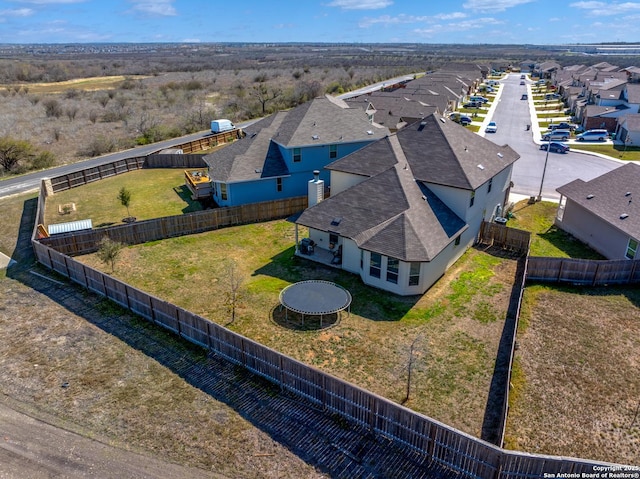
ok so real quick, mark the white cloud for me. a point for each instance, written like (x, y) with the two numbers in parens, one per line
(601, 9)
(19, 12)
(162, 8)
(450, 16)
(493, 5)
(467, 25)
(360, 4)
(389, 20)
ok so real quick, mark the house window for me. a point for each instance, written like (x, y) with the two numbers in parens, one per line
(333, 151)
(490, 185)
(632, 248)
(392, 270)
(223, 191)
(279, 184)
(473, 199)
(361, 259)
(297, 155)
(457, 242)
(333, 240)
(414, 274)
(375, 265)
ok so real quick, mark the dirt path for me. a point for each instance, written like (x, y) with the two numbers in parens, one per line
(32, 448)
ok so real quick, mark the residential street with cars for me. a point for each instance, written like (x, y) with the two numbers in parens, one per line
(518, 127)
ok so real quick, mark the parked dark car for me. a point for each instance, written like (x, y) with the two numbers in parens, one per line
(556, 147)
(459, 118)
(563, 125)
(524, 96)
(472, 104)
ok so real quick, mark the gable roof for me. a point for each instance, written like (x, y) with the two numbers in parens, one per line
(326, 120)
(438, 151)
(630, 122)
(321, 121)
(610, 199)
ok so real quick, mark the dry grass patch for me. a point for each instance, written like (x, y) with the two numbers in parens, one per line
(459, 321)
(577, 388)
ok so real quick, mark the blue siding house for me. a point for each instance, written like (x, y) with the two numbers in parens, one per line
(279, 153)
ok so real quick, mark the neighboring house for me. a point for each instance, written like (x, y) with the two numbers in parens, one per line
(405, 208)
(604, 213)
(280, 152)
(628, 131)
(436, 91)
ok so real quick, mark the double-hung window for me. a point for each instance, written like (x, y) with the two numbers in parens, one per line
(297, 155)
(392, 270)
(414, 274)
(375, 265)
(632, 249)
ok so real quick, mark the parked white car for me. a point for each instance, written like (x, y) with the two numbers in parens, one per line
(491, 127)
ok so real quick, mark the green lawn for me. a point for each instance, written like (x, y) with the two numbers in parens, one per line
(154, 193)
(546, 238)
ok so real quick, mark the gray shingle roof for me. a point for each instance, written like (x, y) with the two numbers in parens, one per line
(633, 93)
(610, 198)
(387, 214)
(326, 120)
(393, 211)
(252, 157)
(438, 151)
(321, 121)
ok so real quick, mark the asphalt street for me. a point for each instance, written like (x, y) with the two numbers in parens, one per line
(512, 114)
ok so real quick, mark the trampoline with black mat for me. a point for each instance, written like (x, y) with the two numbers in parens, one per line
(315, 298)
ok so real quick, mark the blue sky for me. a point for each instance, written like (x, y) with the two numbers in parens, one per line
(358, 21)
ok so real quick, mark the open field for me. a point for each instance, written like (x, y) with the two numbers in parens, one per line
(86, 84)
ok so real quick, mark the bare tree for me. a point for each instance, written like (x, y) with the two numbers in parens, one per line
(414, 350)
(233, 288)
(264, 94)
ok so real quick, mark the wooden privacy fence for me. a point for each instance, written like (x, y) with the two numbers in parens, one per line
(84, 242)
(583, 271)
(175, 161)
(96, 173)
(442, 444)
(510, 239)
